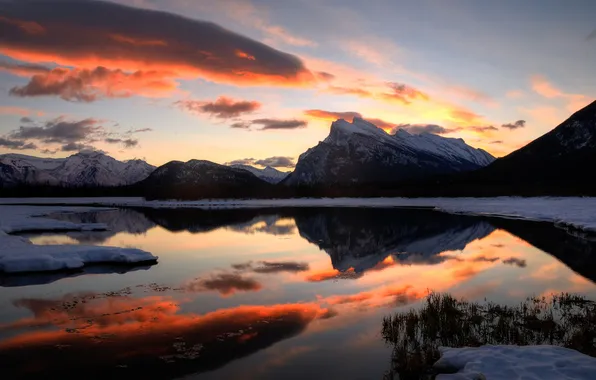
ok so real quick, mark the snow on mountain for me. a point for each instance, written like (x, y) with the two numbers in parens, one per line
(81, 169)
(359, 152)
(268, 174)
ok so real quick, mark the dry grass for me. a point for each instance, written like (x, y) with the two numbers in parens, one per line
(564, 320)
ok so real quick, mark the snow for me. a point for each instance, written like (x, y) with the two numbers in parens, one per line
(81, 169)
(18, 254)
(452, 149)
(267, 174)
(515, 363)
(575, 212)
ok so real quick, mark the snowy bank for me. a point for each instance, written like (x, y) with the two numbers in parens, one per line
(18, 254)
(515, 362)
(575, 212)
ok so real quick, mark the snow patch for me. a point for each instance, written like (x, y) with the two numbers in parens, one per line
(18, 254)
(515, 363)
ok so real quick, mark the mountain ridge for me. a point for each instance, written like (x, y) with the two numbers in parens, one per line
(83, 169)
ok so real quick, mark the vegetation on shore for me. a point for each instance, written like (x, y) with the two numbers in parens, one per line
(564, 320)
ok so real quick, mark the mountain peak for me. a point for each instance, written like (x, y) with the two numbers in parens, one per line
(360, 152)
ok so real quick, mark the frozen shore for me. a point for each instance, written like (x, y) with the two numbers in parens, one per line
(18, 254)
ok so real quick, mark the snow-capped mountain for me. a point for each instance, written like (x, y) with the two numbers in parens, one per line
(359, 152)
(83, 169)
(561, 161)
(198, 178)
(268, 174)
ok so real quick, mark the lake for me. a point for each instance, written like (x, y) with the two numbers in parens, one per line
(286, 293)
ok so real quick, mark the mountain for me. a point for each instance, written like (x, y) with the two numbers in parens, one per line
(268, 174)
(84, 169)
(559, 161)
(359, 152)
(199, 178)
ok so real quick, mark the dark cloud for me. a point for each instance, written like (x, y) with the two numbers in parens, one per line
(130, 143)
(485, 259)
(417, 129)
(60, 130)
(331, 115)
(278, 267)
(82, 85)
(515, 125)
(267, 124)
(515, 261)
(496, 142)
(242, 161)
(241, 125)
(22, 69)
(26, 120)
(223, 107)
(276, 162)
(327, 77)
(225, 283)
(403, 93)
(142, 130)
(49, 151)
(89, 34)
(75, 147)
(483, 128)
(16, 144)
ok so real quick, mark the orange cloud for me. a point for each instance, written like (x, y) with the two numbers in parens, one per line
(241, 54)
(101, 34)
(349, 91)
(9, 110)
(543, 87)
(90, 85)
(463, 116)
(331, 115)
(403, 93)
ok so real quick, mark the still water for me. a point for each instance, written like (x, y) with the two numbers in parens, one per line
(268, 294)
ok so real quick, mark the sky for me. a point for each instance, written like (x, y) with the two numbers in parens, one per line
(260, 81)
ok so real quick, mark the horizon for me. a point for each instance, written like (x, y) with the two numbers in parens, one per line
(267, 86)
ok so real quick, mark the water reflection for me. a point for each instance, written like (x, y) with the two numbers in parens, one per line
(270, 293)
(115, 334)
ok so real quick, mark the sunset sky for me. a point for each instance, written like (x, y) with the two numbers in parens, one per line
(261, 80)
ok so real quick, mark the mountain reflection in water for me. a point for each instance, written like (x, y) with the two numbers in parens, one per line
(233, 284)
